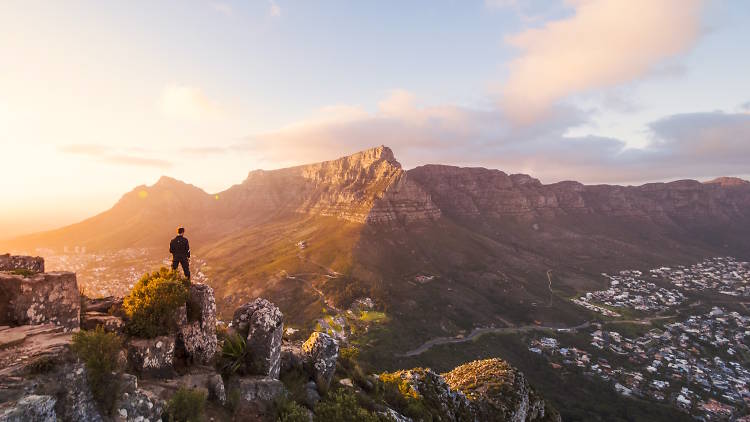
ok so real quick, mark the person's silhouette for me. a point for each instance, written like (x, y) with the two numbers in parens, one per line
(179, 247)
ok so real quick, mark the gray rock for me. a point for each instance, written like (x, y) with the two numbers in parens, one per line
(110, 323)
(311, 394)
(139, 405)
(10, 262)
(261, 322)
(257, 388)
(216, 389)
(320, 353)
(152, 357)
(292, 357)
(31, 408)
(76, 403)
(197, 338)
(40, 298)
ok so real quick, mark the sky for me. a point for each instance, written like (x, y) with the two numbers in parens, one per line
(99, 97)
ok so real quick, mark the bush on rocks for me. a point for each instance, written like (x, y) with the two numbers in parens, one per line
(233, 356)
(187, 405)
(98, 350)
(342, 406)
(151, 307)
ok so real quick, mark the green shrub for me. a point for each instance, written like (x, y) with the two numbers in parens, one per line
(290, 411)
(152, 304)
(42, 365)
(400, 395)
(187, 405)
(342, 406)
(98, 350)
(233, 356)
(23, 272)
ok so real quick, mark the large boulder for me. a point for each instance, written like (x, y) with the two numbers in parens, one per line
(261, 322)
(31, 299)
(449, 405)
(76, 403)
(256, 395)
(110, 323)
(498, 392)
(320, 353)
(152, 357)
(34, 264)
(292, 358)
(32, 408)
(197, 336)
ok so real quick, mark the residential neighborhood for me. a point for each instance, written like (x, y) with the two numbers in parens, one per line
(697, 361)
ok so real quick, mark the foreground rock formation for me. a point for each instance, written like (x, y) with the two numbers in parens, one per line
(260, 322)
(483, 390)
(29, 297)
(42, 379)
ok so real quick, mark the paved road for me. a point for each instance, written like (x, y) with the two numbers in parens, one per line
(478, 332)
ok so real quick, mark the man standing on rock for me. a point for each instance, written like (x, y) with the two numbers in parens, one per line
(179, 247)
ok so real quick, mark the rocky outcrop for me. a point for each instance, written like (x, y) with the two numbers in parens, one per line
(485, 390)
(197, 336)
(34, 264)
(256, 395)
(152, 357)
(497, 392)
(261, 323)
(450, 405)
(31, 299)
(320, 353)
(30, 408)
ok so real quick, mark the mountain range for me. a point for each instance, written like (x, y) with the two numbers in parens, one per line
(450, 248)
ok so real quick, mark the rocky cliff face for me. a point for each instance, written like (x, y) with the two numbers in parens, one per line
(473, 192)
(369, 186)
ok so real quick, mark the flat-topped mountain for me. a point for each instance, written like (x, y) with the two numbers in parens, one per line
(459, 247)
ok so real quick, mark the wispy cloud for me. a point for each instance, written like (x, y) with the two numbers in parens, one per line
(274, 9)
(603, 44)
(685, 145)
(223, 8)
(114, 155)
(187, 102)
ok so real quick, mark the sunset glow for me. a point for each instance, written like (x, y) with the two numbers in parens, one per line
(97, 98)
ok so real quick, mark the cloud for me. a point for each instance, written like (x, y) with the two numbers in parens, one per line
(275, 9)
(223, 8)
(114, 155)
(187, 102)
(693, 145)
(603, 44)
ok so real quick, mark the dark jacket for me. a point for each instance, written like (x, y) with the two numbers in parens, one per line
(180, 247)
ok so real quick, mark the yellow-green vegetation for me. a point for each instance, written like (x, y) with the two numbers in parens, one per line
(98, 350)
(152, 305)
(342, 406)
(290, 411)
(233, 355)
(22, 272)
(373, 316)
(398, 392)
(187, 405)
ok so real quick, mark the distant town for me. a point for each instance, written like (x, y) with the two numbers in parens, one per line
(699, 363)
(111, 273)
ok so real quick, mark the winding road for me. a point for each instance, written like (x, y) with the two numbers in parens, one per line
(478, 332)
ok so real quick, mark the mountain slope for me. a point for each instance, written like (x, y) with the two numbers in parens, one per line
(459, 247)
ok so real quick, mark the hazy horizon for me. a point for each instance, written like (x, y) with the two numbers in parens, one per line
(98, 98)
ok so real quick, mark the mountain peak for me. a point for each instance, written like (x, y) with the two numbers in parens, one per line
(373, 155)
(727, 181)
